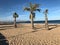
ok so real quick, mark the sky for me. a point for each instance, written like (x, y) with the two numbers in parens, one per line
(8, 7)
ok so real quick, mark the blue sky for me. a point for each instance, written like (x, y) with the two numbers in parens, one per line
(8, 7)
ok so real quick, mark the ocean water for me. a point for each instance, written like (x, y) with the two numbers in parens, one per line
(50, 22)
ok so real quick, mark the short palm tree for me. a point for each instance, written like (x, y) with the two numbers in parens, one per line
(46, 19)
(15, 15)
(32, 8)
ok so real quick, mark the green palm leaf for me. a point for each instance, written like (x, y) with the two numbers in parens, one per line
(38, 10)
(32, 9)
(15, 15)
(28, 9)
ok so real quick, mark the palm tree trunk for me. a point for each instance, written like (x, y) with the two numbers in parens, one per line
(46, 22)
(32, 24)
(15, 23)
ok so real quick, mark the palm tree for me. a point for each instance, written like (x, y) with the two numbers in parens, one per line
(32, 8)
(46, 19)
(15, 15)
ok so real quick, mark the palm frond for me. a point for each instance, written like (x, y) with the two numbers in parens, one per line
(34, 8)
(28, 9)
(35, 5)
(46, 11)
(15, 15)
(31, 5)
(38, 10)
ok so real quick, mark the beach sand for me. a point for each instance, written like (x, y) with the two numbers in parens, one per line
(24, 35)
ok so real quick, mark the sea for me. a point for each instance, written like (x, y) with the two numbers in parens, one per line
(41, 22)
(49, 21)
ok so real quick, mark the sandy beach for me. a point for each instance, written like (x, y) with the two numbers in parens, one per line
(24, 35)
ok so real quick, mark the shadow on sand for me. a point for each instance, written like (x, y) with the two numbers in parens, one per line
(3, 40)
(43, 28)
(52, 27)
(6, 27)
(39, 28)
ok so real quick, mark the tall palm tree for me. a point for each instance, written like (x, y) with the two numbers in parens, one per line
(15, 15)
(31, 9)
(46, 19)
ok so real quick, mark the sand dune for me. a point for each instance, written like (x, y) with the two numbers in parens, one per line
(24, 35)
